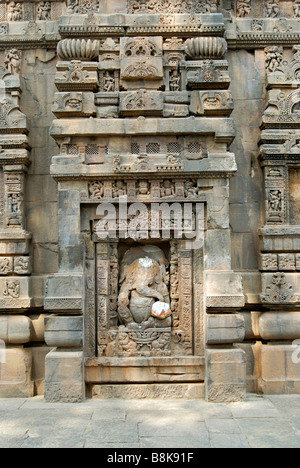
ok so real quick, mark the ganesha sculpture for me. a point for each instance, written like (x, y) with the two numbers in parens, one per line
(144, 281)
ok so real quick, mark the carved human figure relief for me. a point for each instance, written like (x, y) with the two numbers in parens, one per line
(243, 8)
(296, 8)
(272, 9)
(274, 57)
(44, 11)
(14, 11)
(13, 60)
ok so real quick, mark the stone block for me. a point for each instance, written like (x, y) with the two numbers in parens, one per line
(64, 376)
(280, 325)
(64, 293)
(64, 332)
(77, 76)
(280, 288)
(14, 293)
(15, 329)
(225, 375)
(224, 289)
(188, 369)
(218, 250)
(225, 329)
(141, 102)
(211, 103)
(15, 374)
(280, 369)
(74, 104)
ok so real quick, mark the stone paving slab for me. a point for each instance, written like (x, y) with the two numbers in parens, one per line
(258, 422)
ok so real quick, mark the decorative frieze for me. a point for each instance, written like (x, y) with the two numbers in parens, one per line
(15, 265)
(172, 6)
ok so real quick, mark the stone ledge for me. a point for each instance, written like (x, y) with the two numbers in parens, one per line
(177, 391)
(145, 370)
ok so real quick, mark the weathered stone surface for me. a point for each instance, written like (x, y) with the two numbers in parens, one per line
(280, 369)
(144, 370)
(64, 379)
(154, 391)
(64, 332)
(279, 325)
(224, 329)
(15, 330)
(224, 289)
(15, 373)
(226, 374)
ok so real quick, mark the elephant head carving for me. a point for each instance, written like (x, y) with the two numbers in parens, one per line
(143, 281)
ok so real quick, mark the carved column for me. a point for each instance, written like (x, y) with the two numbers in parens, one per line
(280, 235)
(15, 253)
(279, 158)
(76, 79)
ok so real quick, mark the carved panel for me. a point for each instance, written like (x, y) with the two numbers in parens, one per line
(14, 199)
(275, 186)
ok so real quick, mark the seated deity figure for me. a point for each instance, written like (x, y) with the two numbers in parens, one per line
(143, 282)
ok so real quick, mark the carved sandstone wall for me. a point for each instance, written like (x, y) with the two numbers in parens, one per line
(161, 101)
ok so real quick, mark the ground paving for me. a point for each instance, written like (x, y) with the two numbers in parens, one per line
(258, 422)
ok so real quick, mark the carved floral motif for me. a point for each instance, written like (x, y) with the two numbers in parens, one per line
(279, 291)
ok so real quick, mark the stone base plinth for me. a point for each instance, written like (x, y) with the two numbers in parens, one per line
(225, 375)
(144, 370)
(193, 391)
(64, 376)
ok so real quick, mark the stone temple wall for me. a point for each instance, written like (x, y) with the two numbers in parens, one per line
(192, 104)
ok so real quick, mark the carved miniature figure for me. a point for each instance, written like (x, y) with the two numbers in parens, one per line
(118, 189)
(143, 188)
(296, 7)
(174, 80)
(273, 57)
(96, 190)
(14, 11)
(44, 11)
(12, 61)
(243, 8)
(5, 266)
(12, 289)
(275, 200)
(191, 189)
(167, 189)
(108, 83)
(272, 9)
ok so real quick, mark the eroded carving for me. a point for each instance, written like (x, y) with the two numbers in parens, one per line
(280, 291)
